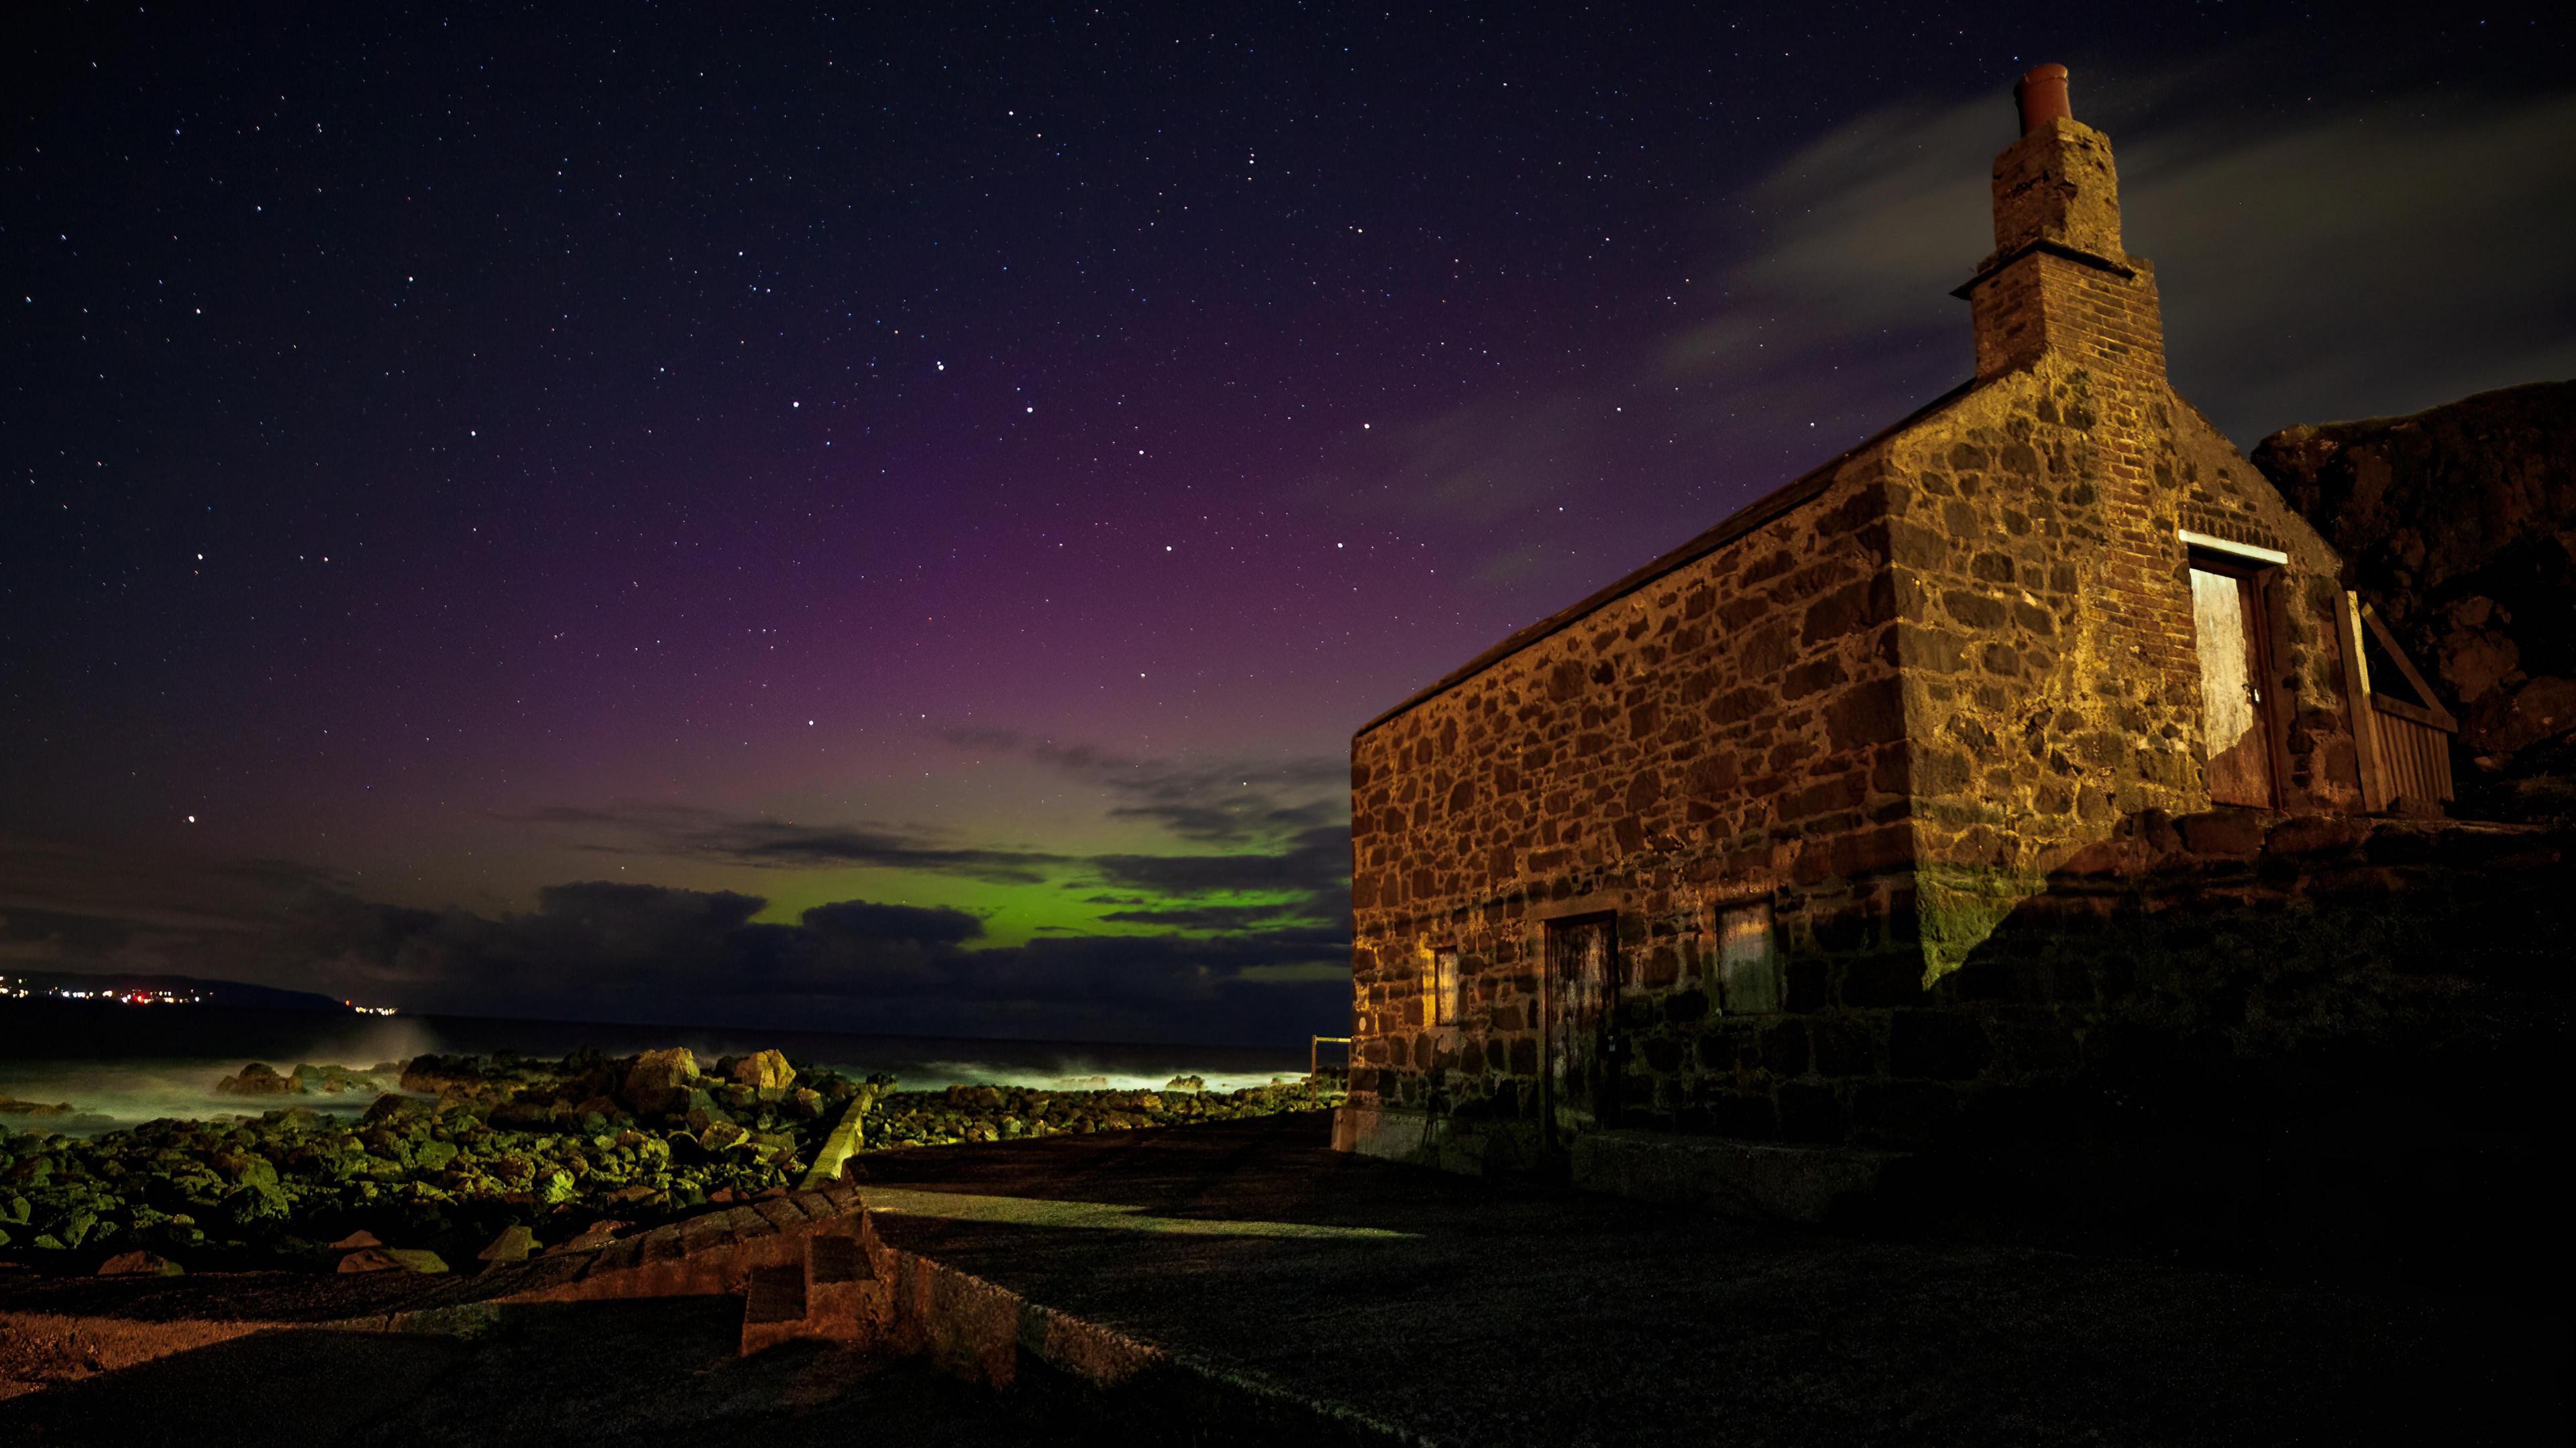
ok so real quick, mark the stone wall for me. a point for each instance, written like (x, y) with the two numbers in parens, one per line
(1729, 727)
(2051, 678)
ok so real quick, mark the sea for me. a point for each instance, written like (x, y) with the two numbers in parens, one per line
(120, 1065)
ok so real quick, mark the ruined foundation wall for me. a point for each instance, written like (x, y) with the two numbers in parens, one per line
(1728, 731)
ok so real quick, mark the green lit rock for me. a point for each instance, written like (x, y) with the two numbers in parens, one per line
(254, 1201)
(513, 1245)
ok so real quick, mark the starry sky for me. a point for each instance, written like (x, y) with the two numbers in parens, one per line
(888, 522)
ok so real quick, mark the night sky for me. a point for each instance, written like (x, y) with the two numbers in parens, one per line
(889, 523)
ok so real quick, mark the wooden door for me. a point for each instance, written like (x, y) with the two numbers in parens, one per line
(1583, 1065)
(2235, 718)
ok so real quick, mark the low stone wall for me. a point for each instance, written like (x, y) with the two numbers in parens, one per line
(2241, 1032)
(2182, 968)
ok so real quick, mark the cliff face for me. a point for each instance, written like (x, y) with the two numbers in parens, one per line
(2459, 523)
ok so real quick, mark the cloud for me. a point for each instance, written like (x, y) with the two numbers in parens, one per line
(684, 831)
(1315, 865)
(2375, 251)
(1203, 917)
(631, 952)
(2292, 254)
(860, 920)
(1221, 802)
(1224, 968)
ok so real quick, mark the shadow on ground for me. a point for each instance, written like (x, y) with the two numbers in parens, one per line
(1478, 1312)
(554, 1373)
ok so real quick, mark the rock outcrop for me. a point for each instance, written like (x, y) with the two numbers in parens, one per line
(765, 1072)
(2459, 523)
(258, 1079)
(660, 1082)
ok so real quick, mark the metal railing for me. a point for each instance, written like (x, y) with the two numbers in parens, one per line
(1315, 1055)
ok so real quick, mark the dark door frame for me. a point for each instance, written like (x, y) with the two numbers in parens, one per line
(1551, 1009)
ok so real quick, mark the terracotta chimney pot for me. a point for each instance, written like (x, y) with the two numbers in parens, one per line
(2042, 94)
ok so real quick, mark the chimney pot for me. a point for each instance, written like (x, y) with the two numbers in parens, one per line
(2042, 94)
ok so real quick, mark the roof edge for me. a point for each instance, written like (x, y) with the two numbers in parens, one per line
(1765, 509)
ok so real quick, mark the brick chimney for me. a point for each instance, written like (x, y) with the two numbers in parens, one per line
(2059, 282)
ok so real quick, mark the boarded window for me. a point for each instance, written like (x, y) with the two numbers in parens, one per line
(1443, 989)
(1748, 958)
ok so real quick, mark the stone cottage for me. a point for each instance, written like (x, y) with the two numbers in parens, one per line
(1802, 767)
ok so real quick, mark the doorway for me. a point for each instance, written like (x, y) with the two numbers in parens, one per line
(1582, 1004)
(2235, 672)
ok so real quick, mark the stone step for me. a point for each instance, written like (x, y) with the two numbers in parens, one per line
(773, 1307)
(777, 1294)
(839, 1259)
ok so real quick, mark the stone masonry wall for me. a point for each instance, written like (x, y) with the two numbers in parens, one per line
(1730, 730)
(2051, 675)
(2050, 684)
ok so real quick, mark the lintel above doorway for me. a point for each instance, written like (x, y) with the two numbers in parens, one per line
(2251, 552)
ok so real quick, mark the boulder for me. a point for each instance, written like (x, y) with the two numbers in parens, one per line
(12, 1106)
(257, 1079)
(766, 1072)
(590, 1239)
(513, 1245)
(331, 1080)
(659, 1082)
(139, 1264)
(393, 1107)
(394, 1259)
(717, 1135)
(603, 1107)
(357, 1241)
(255, 1202)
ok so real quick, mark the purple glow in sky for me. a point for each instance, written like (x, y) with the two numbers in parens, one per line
(984, 464)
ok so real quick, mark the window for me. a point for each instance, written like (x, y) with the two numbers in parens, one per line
(1441, 1009)
(1748, 958)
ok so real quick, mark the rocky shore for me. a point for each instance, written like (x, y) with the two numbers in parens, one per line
(491, 1158)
